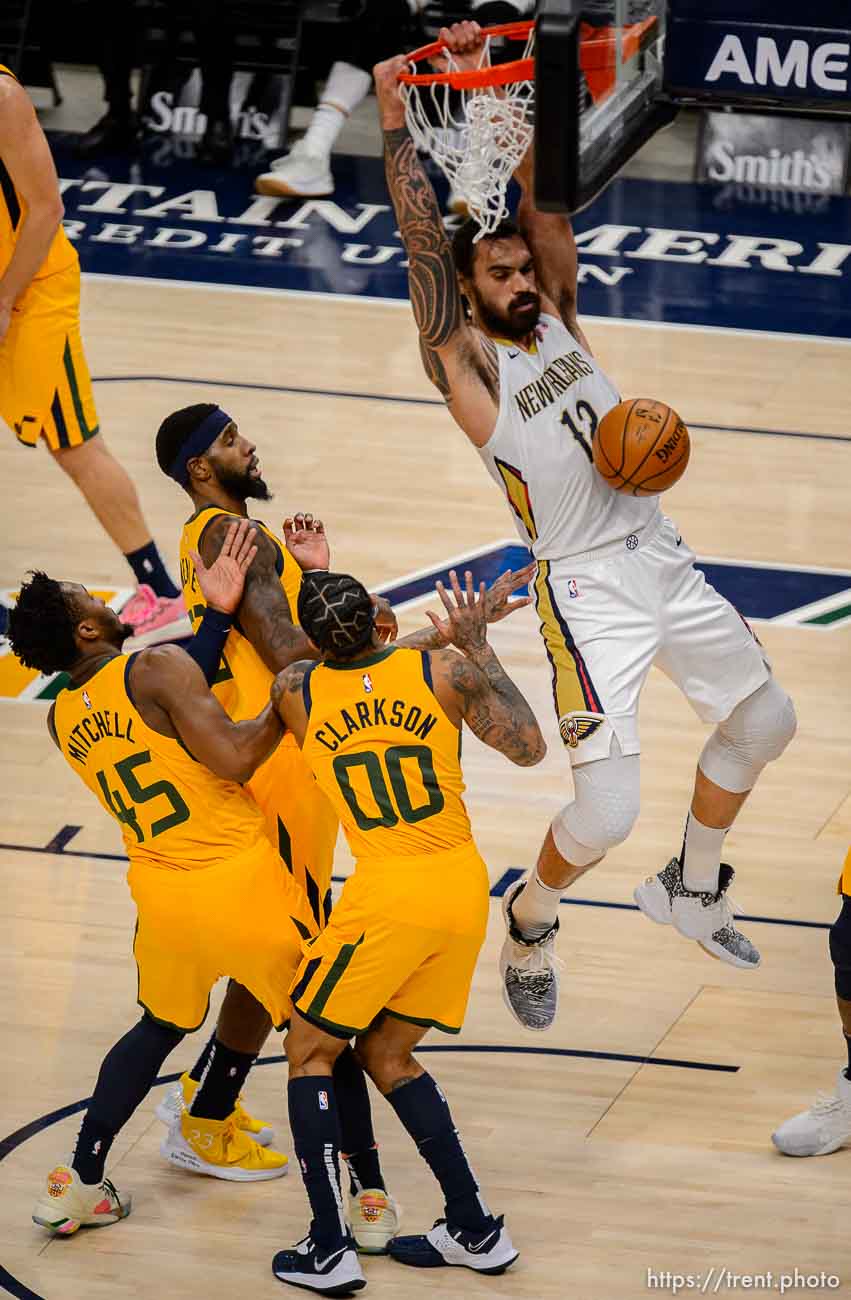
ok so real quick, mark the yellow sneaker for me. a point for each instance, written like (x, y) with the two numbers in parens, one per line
(374, 1217)
(179, 1098)
(68, 1203)
(218, 1147)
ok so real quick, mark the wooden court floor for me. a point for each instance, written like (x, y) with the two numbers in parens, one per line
(606, 1167)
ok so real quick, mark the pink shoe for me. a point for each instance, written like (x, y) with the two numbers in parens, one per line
(154, 619)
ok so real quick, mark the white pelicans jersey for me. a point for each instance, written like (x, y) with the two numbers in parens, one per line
(551, 400)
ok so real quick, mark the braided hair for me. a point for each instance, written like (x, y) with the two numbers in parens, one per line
(336, 612)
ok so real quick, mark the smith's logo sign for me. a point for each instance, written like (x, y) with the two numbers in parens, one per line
(817, 67)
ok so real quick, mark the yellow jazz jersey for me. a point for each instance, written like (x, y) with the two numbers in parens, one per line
(13, 209)
(299, 819)
(243, 683)
(174, 813)
(386, 754)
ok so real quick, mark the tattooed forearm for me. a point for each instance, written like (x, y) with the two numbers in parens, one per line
(494, 708)
(426, 638)
(435, 297)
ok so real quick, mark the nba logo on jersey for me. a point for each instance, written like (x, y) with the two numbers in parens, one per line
(87, 700)
(323, 1099)
(572, 589)
(367, 683)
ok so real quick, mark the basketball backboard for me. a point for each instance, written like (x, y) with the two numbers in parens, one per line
(598, 95)
(610, 73)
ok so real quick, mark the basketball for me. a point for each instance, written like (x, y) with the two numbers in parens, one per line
(641, 447)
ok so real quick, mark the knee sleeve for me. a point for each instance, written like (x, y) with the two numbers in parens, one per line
(840, 951)
(756, 732)
(603, 811)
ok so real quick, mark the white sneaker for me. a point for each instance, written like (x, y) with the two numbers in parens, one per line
(529, 970)
(708, 918)
(825, 1127)
(374, 1217)
(68, 1203)
(328, 1272)
(298, 174)
(491, 1252)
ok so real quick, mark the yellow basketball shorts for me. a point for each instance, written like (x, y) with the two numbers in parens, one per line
(300, 821)
(45, 387)
(403, 938)
(245, 918)
(844, 886)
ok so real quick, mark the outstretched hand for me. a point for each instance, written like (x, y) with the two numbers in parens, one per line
(386, 624)
(223, 583)
(465, 43)
(304, 538)
(391, 109)
(498, 604)
(465, 626)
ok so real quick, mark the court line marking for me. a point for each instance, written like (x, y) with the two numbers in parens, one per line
(212, 286)
(8, 1282)
(421, 401)
(56, 846)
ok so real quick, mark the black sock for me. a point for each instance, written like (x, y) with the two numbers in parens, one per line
(848, 1048)
(358, 1139)
(201, 1064)
(315, 1128)
(126, 1075)
(148, 567)
(423, 1110)
(221, 1083)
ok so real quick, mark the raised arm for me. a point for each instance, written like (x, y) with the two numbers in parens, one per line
(475, 687)
(553, 248)
(26, 155)
(170, 692)
(458, 360)
(264, 613)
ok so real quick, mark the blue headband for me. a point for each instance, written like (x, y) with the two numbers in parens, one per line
(197, 443)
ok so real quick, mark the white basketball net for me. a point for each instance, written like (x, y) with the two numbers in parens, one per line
(477, 137)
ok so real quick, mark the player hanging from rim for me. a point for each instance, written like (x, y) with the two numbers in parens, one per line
(45, 389)
(153, 745)
(616, 588)
(202, 449)
(381, 728)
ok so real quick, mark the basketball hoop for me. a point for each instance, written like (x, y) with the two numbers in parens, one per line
(476, 123)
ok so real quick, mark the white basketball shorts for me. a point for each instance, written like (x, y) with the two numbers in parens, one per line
(607, 615)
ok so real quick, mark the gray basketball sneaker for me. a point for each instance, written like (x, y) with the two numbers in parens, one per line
(707, 918)
(529, 970)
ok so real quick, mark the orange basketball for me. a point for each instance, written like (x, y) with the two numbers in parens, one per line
(641, 447)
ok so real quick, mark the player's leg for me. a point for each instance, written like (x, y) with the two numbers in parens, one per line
(600, 640)
(712, 655)
(826, 1126)
(78, 1194)
(326, 1259)
(375, 29)
(223, 1066)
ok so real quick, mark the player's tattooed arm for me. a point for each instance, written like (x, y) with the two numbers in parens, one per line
(287, 698)
(483, 693)
(493, 707)
(264, 613)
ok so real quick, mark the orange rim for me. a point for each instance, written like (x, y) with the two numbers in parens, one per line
(501, 75)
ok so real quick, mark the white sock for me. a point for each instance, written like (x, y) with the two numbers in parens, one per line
(536, 907)
(701, 856)
(346, 87)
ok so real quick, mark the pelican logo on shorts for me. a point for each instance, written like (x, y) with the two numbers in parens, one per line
(367, 683)
(631, 542)
(87, 699)
(579, 726)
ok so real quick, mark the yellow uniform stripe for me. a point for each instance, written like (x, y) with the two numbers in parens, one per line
(573, 690)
